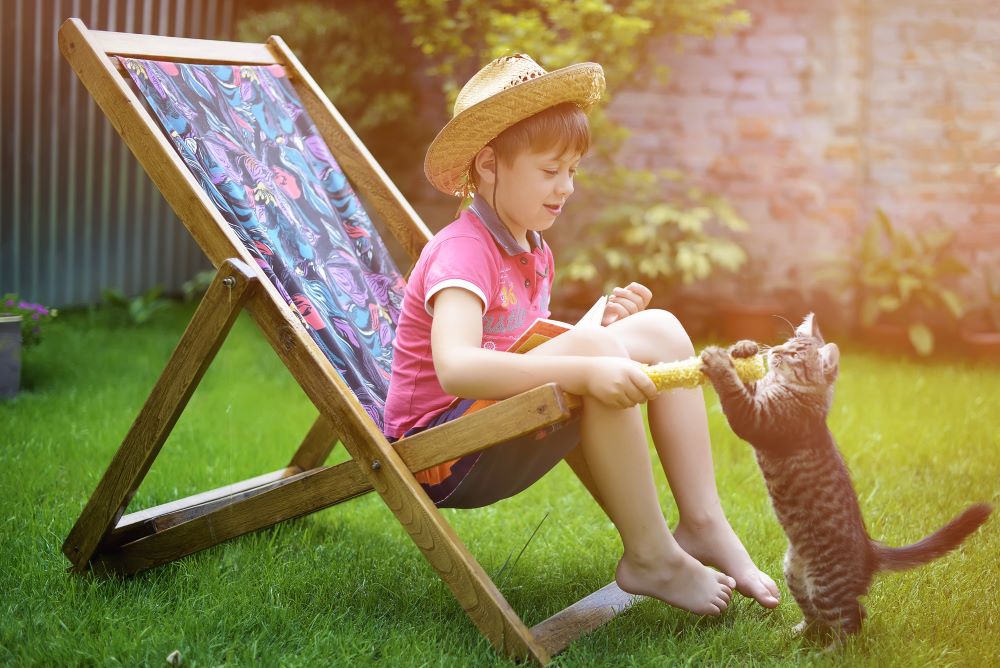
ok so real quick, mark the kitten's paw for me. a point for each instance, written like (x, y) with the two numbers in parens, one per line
(744, 348)
(801, 629)
(715, 359)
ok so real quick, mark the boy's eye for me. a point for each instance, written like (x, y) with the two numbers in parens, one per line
(551, 172)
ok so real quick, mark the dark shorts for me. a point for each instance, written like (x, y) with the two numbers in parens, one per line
(502, 470)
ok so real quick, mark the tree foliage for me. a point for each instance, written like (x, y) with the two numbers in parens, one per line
(645, 225)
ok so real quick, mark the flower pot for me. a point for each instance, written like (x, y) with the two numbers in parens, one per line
(982, 345)
(10, 355)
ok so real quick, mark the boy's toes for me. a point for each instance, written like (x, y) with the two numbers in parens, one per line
(762, 589)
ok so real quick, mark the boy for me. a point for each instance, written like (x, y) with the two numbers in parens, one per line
(516, 138)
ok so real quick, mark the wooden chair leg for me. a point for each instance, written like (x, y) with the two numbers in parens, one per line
(587, 614)
(317, 445)
(443, 549)
(198, 345)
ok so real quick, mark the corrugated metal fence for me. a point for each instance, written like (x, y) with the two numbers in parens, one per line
(77, 212)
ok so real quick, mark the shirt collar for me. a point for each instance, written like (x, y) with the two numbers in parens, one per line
(481, 208)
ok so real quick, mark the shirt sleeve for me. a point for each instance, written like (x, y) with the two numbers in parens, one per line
(461, 262)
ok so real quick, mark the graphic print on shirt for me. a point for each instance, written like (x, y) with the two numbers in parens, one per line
(512, 316)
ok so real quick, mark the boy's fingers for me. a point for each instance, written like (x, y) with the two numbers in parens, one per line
(635, 396)
(645, 293)
(613, 312)
(630, 301)
(646, 386)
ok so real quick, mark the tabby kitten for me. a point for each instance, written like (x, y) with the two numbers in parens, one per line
(831, 559)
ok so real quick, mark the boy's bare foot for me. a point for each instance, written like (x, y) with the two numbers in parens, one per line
(716, 544)
(682, 582)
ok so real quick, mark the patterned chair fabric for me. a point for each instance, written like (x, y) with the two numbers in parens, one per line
(243, 133)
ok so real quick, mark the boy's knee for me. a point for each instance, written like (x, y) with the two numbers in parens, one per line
(595, 341)
(664, 327)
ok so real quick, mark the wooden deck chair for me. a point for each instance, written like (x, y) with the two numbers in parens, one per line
(330, 319)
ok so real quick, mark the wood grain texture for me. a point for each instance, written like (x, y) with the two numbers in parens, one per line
(195, 351)
(147, 521)
(519, 415)
(316, 446)
(590, 612)
(355, 159)
(283, 499)
(155, 47)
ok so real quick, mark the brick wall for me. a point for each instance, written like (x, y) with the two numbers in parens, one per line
(823, 111)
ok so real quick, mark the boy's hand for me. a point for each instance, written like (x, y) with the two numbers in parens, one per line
(624, 302)
(618, 382)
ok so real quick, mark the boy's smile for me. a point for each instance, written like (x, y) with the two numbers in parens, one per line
(530, 193)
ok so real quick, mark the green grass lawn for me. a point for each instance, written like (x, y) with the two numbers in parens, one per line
(347, 586)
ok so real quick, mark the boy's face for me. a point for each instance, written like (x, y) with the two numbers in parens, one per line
(532, 190)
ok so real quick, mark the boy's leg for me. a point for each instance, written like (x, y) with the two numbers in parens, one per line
(613, 444)
(679, 425)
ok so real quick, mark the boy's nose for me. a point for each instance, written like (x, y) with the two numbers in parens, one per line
(565, 187)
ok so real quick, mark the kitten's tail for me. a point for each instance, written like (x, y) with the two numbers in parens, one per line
(936, 545)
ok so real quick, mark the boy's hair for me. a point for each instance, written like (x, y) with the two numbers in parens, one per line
(563, 128)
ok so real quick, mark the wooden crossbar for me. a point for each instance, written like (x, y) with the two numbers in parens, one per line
(150, 520)
(182, 49)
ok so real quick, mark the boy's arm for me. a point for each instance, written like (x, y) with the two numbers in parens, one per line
(466, 370)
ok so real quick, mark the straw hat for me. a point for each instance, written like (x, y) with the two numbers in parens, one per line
(506, 91)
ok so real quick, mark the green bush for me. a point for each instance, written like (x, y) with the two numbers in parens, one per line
(137, 310)
(903, 277)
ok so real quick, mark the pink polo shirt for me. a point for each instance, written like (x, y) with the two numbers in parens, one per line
(478, 253)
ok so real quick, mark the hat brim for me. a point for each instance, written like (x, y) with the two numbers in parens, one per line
(450, 155)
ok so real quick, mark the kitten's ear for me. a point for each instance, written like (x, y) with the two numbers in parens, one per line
(830, 354)
(808, 327)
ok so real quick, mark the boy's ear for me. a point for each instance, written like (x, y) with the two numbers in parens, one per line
(485, 165)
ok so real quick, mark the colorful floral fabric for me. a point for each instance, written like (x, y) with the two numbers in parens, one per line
(243, 133)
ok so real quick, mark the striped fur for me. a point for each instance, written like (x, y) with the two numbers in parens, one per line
(831, 559)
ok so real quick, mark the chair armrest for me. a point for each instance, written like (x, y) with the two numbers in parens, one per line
(519, 415)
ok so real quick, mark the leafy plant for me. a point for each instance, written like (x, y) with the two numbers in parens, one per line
(197, 284)
(645, 238)
(33, 317)
(903, 276)
(136, 310)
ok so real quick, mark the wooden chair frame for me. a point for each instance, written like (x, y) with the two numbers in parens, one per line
(103, 538)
